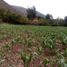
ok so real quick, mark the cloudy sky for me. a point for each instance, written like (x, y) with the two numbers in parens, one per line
(58, 8)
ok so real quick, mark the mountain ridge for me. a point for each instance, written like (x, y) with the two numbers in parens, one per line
(16, 9)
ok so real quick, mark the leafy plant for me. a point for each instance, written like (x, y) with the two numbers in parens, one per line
(65, 53)
(39, 50)
(49, 43)
(46, 62)
(65, 40)
(61, 61)
(26, 58)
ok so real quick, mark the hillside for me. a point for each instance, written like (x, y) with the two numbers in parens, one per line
(23, 10)
(16, 9)
(7, 7)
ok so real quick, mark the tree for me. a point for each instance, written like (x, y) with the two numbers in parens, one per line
(49, 16)
(65, 20)
(31, 13)
(59, 22)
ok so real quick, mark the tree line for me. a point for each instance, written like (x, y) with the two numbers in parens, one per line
(32, 18)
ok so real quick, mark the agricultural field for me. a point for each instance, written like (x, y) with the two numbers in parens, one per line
(33, 46)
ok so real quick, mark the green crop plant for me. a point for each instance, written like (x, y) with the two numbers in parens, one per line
(65, 53)
(39, 50)
(65, 40)
(34, 55)
(48, 42)
(26, 58)
(7, 46)
(46, 62)
(61, 61)
(1, 56)
(29, 42)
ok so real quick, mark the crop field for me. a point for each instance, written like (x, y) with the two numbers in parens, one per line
(33, 46)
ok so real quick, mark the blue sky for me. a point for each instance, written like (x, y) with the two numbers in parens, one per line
(58, 8)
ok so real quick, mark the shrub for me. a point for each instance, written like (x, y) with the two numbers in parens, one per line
(43, 21)
(23, 20)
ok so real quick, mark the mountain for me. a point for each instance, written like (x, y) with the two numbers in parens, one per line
(23, 10)
(16, 9)
(4, 5)
(7, 7)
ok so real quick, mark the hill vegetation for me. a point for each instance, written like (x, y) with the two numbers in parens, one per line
(19, 15)
(8, 17)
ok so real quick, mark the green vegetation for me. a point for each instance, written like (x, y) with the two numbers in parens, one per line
(26, 45)
(31, 13)
(31, 19)
(26, 58)
(8, 17)
(45, 44)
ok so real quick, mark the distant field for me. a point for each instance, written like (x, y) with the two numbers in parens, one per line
(39, 46)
